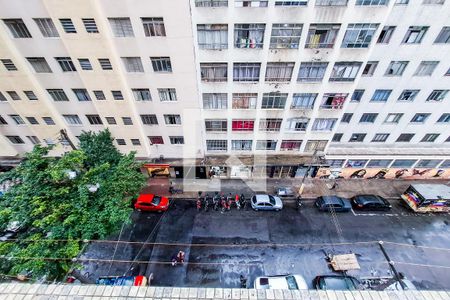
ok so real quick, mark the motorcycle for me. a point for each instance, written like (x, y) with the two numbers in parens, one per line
(216, 200)
(206, 203)
(199, 204)
(243, 201)
(299, 203)
(237, 202)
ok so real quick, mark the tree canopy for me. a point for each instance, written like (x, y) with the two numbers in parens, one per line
(51, 201)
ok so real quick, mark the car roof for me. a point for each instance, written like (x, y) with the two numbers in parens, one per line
(332, 199)
(369, 199)
(280, 283)
(145, 198)
(262, 198)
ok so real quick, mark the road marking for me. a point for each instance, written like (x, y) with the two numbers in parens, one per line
(373, 214)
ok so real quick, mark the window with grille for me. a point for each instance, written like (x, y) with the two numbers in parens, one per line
(437, 95)
(331, 2)
(323, 124)
(85, 64)
(30, 95)
(420, 118)
(379, 163)
(381, 95)
(215, 125)
(249, 35)
(393, 118)
(166, 95)
(2, 97)
(213, 72)
(433, 2)
(154, 26)
(426, 68)
(161, 64)
(121, 142)
(99, 95)
(211, 3)
(111, 120)
(303, 100)
(357, 95)
(401, 2)
(313, 145)
(133, 64)
(127, 121)
(274, 100)
(370, 68)
(121, 27)
(215, 101)
(266, 145)
(149, 120)
(135, 142)
(32, 120)
(3, 121)
(443, 36)
(33, 139)
(312, 71)
(17, 28)
(246, 72)
(212, 36)
(48, 120)
(291, 3)
(58, 94)
(444, 118)
(39, 64)
(337, 137)
(66, 64)
(90, 25)
(279, 71)
(403, 163)
(17, 119)
(242, 125)
(244, 100)
(216, 145)
(297, 124)
(241, 145)
(46, 27)
(359, 35)
(372, 2)
(345, 71)
(68, 26)
(272, 125)
(428, 163)
(156, 140)
(357, 137)
(117, 95)
(346, 117)
(290, 145)
(176, 140)
(94, 119)
(13, 95)
(322, 35)
(368, 118)
(105, 64)
(251, 3)
(430, 137)
(386, 34)
(405, 137)
(172, 119)
(408, 95)
(333, 100)
(415, 34)
(396, 68)
(15, 139)
(72, 119)
(142, 94)
(9, 65)
(82, 94)
(285, 36)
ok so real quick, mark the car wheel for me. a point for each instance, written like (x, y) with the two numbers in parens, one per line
(277, 209)
(255, 209)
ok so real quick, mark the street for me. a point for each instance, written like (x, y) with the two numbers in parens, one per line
(221, 246)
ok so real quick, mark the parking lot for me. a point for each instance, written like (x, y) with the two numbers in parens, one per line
(221, 246)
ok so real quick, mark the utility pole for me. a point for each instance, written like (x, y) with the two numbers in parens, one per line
(302, 186)
(66, 137)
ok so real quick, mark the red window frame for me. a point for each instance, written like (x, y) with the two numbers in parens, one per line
(243, 125)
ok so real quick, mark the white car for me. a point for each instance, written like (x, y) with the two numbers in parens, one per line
(282, 282)
(266, 202)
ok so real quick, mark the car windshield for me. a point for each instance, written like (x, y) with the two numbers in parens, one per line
(339, 283)
(272, 200)
(292, 284)
(156, 200)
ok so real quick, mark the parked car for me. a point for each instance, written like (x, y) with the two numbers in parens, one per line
(370, 202)
(281, 282)
(396, 286)
(339, 204)
(122, 280)
(336, 282)
(284, 191)
(150, 202)
(266, 202)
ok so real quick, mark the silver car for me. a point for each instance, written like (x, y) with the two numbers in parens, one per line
(282, 282)
(266, 202)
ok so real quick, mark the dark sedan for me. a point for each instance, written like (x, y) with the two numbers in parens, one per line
(329, 203)
(336, 282)
(370, 202)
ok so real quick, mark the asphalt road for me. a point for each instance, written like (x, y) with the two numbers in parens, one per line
(220, 247)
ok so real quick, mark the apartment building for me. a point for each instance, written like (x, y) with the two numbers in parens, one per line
(363, 82)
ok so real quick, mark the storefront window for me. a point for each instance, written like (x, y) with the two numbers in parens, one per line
(356, 163)
(428, 163)
(379, 163)
(403, 163)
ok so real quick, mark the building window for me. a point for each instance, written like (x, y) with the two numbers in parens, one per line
(167, 95)
(72, 119)
(415, 34)
(99, 95)
(380, 137)
(58, 95)
(335, 163)
(3, 121)
(246, 72)
(156, 140)
(30, 95)
(251, 3)
(285, 36)
(430, 137)
(420, 118)
(66, 64)
(290, 145)
(359, 35)
(368, 118)
(433, 2)
(85, 64)
(149, 120)
(426, 68)
(33, 139)
(82, 94)
(133, 64)
(372, 2)
(117, 95)
(331, 2)
(333, 100)
(212, 36)
(242, 125)
(244, 101)
(370, 68)
(135, 142)
(346, 117)
(403, 163)
(272, 125)
(48, 120)
(381, 95)
(94, 119)
(291, 3)
(408, 95)
(121, 142)
(9, 65)
(39, 64)
(2, 98)
(386, 34)
(213, 72)
(105, 64)
(172, 119)
(68, 26)
(393, 118)
(437, 95)
(15, 139)
(345, 71)
(337, 137)
(121, 27)
(266, 145)
(47, 27)
(357, 95)
(323, 124)
(401, 2)
(405, 137)
(444, 118)
(241, 145)
(17, 28)
(17, 119)
(444, 36)
(322, 35)
(216, 125)
(312, 71)
(211, 3)
(90, 25)
(428, 163)
(279, 71)
(111, 120)
(127, 121)
(357, 137)
(215, 101)
(297, 124)
(303, 100)
(274, 100)
(379, 163)
(161, 64)
(249, 35)
(154, 26)
(142, 94)
(13, 95)
(216, 145)
(315, 145)
(396, 68)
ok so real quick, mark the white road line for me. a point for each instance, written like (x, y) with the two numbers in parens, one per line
(373, 215)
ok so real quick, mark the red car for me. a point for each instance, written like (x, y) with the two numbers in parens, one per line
(150, 202)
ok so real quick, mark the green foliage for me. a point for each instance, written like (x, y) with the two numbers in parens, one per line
(50, 205)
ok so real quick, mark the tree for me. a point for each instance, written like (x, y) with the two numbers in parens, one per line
(57, 211)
